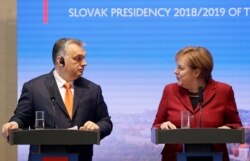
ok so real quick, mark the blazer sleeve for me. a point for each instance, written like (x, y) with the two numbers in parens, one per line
(161, 115)
(23, 113)
(232, 118)
(103, 118)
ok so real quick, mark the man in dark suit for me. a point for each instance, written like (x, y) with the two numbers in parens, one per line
(88, 112)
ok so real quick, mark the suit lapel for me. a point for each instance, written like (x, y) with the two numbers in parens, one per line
(77, 96)
(79, 90)
(209, 92)
(184, 99)
(208, 95)
(51, 85)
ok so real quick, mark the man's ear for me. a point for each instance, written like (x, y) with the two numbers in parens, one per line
(60, 61)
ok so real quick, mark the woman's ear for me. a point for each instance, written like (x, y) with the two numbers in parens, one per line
(197, 72)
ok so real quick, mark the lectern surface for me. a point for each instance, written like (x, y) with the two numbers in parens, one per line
(53, 137)
(197, 136)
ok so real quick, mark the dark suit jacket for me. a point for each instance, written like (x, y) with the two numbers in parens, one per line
(88, 105)
(219, 109)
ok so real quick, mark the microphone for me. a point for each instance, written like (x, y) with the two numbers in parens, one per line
(52, 100)
(200, 93)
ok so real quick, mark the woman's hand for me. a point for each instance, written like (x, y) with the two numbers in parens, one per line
(167, 125)
(224, 127)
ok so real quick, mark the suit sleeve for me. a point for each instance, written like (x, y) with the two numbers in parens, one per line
(103, 118)
(23, 113)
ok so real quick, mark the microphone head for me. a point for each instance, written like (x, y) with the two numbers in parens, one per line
(52, 98)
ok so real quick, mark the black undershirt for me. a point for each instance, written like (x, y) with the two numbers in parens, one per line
(194, 101)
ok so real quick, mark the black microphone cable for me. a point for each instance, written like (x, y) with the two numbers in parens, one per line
(200, 92)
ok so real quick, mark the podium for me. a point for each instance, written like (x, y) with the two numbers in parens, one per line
(198, 142)
(53, 143)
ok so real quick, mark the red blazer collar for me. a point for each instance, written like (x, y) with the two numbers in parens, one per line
(208, 94)
(209, 91)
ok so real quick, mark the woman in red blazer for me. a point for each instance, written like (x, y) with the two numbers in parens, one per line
(219, 110)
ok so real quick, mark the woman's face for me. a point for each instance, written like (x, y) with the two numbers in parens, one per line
(185, 75)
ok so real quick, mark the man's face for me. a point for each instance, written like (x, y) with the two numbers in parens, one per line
(74, 62)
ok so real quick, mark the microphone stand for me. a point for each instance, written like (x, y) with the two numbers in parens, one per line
(54, 111)
(52, 100)
(200, 106)
(200, 91)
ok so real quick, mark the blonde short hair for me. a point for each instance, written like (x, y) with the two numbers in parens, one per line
(198, 57)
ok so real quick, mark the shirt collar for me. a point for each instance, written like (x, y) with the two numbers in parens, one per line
(59, 80)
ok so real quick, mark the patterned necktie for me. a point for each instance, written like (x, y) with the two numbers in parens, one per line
(68, 98)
